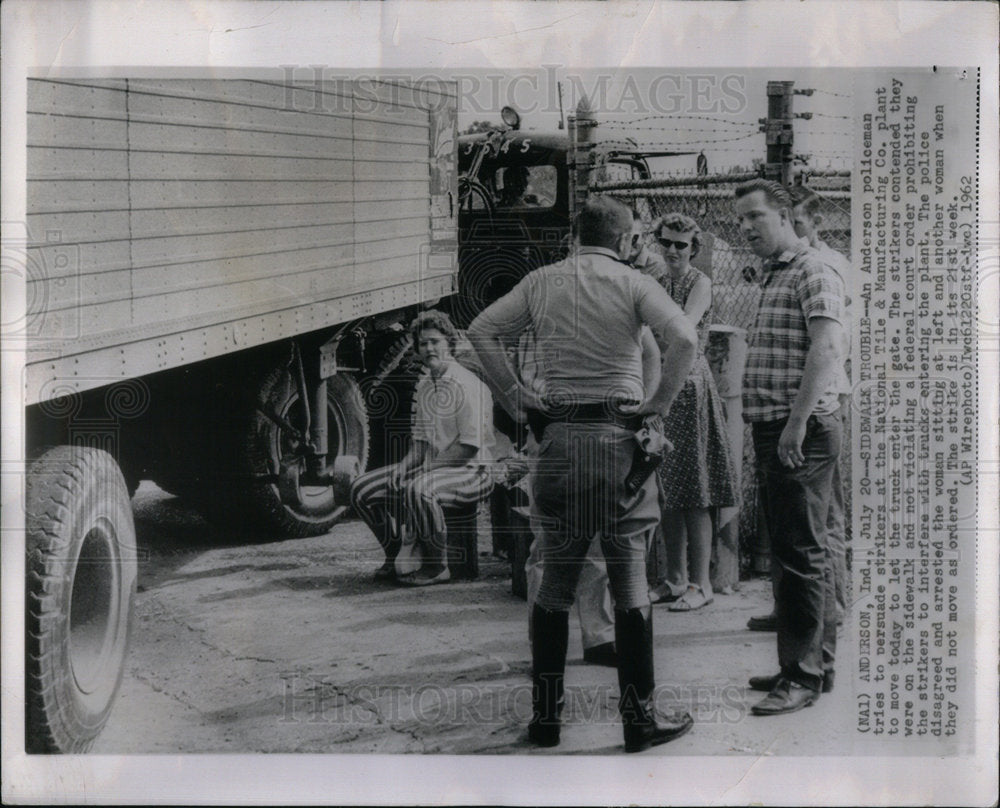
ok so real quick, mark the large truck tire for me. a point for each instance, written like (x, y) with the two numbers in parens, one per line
(81, 577)
(314, 509)
(388, 396)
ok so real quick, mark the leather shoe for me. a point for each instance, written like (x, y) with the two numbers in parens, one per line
(767, 622)
(603, 654)
(387, 572)
(654, 729)
(545, 734)
(764, 683)
(787, 697)
(828, 681)
(768, 683)
(420, 578)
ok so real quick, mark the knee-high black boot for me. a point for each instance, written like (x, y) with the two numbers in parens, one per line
(634, 642)
(549, 638)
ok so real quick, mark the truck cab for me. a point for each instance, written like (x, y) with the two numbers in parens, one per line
(514, 207)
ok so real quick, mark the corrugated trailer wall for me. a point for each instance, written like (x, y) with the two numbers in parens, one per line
(173, 220)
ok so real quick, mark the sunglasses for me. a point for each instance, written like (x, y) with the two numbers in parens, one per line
(679, 245)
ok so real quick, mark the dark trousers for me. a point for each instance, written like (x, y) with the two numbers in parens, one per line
(836, 529)
(797, 504)
(578, 489)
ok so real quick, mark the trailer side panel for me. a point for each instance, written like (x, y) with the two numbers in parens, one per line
(174, 220)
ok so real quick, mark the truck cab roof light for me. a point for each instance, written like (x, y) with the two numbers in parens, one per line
(510, 117)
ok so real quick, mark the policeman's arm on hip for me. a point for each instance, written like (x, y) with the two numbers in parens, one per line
(650, 360)
(506, 317)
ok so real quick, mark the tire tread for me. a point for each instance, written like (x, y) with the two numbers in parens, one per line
(53, 481)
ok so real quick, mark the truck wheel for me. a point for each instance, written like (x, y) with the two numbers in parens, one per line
(81, 575)
(388, 395)
(314, 510)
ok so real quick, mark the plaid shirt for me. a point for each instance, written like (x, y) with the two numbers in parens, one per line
(796, 286)
(843, 268)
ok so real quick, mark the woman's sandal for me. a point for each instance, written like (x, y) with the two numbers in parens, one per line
(666, 593)
(693, 599)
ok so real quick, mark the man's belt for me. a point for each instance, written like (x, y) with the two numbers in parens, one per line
(597, 413)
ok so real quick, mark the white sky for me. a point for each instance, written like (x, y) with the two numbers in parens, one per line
(711, 109)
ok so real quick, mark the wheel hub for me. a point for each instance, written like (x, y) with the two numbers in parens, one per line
(93, 611)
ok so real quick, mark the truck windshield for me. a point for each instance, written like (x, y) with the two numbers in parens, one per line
(526, 186)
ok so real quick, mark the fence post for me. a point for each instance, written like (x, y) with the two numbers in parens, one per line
(727, 355)
(777, 128)
(581, 164)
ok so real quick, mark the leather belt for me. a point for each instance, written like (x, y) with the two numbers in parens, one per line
(598, 413)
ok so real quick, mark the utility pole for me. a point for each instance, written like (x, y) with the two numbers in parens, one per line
(581, 158)
(777, 129)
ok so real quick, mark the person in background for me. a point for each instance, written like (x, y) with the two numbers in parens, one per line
(807, 218)
(594, 607)
(699, 474)
(587, 313)
(641, 257)
(515, 188)
(791, 402)
(447, 466)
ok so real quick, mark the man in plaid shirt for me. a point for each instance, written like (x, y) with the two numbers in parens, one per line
(790, 399)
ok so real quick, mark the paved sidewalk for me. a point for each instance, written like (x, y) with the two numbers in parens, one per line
(291, 647)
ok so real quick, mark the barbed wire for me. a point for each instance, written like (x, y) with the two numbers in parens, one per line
(824, 134)
(668, 174)
(624, 122)
(667, 143)
(828, 115)
(830, 92)
(729, 150)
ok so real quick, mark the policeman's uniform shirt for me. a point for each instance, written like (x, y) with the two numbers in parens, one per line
(586, 313)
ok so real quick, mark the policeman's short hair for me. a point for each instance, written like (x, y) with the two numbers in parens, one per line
(602, 222)
(774, 192)
(437, 320)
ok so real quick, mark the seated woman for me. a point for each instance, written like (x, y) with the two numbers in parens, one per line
(448, 464)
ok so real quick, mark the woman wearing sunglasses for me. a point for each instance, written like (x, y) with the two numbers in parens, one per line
(699, 474)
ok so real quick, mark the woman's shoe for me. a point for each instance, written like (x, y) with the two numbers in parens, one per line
(666, 592)
(421, 578)
(693, 599)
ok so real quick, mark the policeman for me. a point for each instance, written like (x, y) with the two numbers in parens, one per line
(587, 313)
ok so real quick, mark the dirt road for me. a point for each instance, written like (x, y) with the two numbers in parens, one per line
(244, 646)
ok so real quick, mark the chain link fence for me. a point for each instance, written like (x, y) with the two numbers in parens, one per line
(733, 270)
